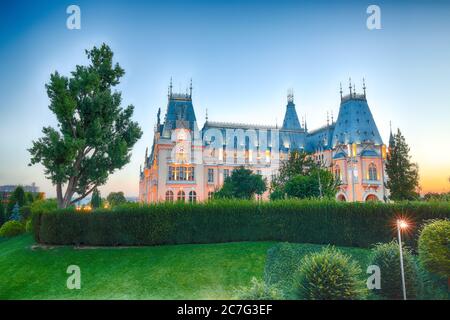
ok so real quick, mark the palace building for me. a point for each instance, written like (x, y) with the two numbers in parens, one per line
(189, 164)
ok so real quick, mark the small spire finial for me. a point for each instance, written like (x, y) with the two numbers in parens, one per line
(290, 95)
(332, 117)
(206, 117)
(340, 91)
(354, 90)
(190, 89)
(328, 118)
(350, 85)
(170, 87)
(364, 86)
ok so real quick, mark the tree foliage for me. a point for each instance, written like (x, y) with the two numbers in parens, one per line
(96, 200)
(403, 174)
(17, 197)
(242, 184)
(298, 163)
(301, 177)
(95, 134)
(116, 198)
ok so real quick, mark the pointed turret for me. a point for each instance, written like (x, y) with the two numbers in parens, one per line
(290, 121)
(391, 137)
(355, 123)
(180, 112)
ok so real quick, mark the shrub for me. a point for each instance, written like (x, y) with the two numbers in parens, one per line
(319, 222)
(43, 205)
(259, 290)
(25, 212)
(11, 228)
(328, 275)
(387, 257)
(434, 247)
(282, 264)
(277, 194)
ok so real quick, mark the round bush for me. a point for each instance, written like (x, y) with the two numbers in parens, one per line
(328, 275)
(11, 228)
(259, 290)
(434, 247)
(387, 257)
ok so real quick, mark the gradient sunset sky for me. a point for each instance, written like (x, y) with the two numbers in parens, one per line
(243, 56)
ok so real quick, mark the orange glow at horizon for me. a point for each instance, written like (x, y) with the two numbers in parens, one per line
(434, 179)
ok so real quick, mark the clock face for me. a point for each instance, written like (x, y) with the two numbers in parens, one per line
(181, 154)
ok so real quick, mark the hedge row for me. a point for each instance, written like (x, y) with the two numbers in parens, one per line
(320, 222)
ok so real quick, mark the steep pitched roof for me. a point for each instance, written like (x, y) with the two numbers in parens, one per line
(355, 123)
(180, 114)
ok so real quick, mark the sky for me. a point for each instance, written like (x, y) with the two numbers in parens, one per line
(243, 56)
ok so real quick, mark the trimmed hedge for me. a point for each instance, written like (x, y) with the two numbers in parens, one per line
(307, 221)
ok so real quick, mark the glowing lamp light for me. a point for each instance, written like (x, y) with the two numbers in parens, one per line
(402, 224)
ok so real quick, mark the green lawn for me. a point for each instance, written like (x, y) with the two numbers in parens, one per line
(209, 271)
(198, 271)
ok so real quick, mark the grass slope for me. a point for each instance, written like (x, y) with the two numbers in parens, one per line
(210, 271)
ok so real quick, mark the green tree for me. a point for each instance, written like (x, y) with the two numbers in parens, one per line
(116, 198)
(96, 200)
(242, 184)
(299, 162)
(17, 197)
(319, 183)
(403, 174)
(95, 134)
(15, 215)
(29, 197)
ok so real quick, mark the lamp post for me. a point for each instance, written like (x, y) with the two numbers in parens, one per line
(401, 224)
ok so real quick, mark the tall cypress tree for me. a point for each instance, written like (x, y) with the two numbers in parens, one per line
(96, 200)
(402, 173)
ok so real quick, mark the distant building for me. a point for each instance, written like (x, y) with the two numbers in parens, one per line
(350, 147)
(6, 190)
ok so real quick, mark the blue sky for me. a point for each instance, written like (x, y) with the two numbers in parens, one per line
(242, 56)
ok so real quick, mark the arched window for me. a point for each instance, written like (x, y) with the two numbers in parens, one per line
(341, 197)
(210, 195)
(169, 195)
(371, 197)
(180, 195)
(192, 196)
(373, 172)
(337, 173)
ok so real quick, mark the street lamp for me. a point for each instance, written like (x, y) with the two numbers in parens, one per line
(402, 225)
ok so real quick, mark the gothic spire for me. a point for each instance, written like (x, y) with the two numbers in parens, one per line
(364, 87)
(350, 85)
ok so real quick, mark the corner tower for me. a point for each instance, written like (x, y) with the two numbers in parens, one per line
(180, 112)
(355, 123)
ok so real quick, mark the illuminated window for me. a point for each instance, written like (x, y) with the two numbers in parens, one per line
(210, 175)
(180, 196)
(337, 173)
(373, 172)
(177, 173)
(192, 196)
(169, 196)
